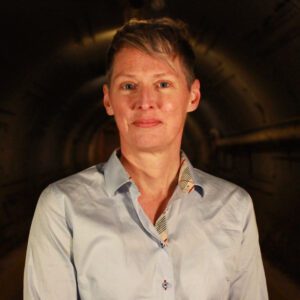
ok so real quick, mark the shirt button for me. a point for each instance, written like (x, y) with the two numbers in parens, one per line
(165, 285)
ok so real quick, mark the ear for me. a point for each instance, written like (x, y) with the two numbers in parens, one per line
(195, 96)
(106, 100)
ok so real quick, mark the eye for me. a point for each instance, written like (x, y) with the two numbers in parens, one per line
(164, 84)
(128, 86)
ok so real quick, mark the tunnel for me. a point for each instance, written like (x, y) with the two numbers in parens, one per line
(246, 130)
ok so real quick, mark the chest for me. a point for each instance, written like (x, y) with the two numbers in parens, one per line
(118, 256)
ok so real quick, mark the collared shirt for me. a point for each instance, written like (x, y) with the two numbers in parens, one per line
(90, 239)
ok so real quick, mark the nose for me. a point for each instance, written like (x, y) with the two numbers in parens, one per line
(146, 99)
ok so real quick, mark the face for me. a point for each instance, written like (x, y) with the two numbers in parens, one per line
(149, 98)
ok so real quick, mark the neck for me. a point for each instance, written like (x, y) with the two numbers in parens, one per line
(154, 173)
(156, 176)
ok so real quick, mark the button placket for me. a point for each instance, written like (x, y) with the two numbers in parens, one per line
(162, 245)
(166, 285)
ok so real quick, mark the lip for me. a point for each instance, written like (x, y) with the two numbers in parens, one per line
(146, 123)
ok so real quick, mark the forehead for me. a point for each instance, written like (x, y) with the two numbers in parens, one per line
(130, 59)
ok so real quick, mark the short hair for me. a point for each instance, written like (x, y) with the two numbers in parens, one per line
(163, 36)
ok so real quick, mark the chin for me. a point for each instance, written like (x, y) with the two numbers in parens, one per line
(149, 143)
(147, 147)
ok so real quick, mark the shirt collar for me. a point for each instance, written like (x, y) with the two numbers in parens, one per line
(187, 180)
(116, 176)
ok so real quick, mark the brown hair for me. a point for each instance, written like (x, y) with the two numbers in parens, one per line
(162, 36)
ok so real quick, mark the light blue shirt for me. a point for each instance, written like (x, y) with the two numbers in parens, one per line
(90, 239)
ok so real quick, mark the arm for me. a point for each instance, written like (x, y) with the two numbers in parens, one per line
(250, 282)
(49, 272)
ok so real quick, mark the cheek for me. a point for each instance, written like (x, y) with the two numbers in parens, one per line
(169, 107)
(174, 107)
(123, 117)
(176, 102)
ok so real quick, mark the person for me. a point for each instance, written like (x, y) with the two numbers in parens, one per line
(146, 224)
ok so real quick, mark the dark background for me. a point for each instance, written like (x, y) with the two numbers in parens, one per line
(247, 129)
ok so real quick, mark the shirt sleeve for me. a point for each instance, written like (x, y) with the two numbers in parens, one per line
(49, 272)
(250, 282)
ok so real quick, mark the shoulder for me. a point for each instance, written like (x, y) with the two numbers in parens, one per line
(77, 187)
(214, 184)
(88, 178)
(223, 195)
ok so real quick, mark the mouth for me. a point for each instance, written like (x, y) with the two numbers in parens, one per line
(146, 123)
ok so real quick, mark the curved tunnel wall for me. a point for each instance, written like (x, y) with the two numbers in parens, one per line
(52, 122)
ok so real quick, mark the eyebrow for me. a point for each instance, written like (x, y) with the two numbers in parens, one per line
(133, 76)
(165, 74)
(123, 75)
